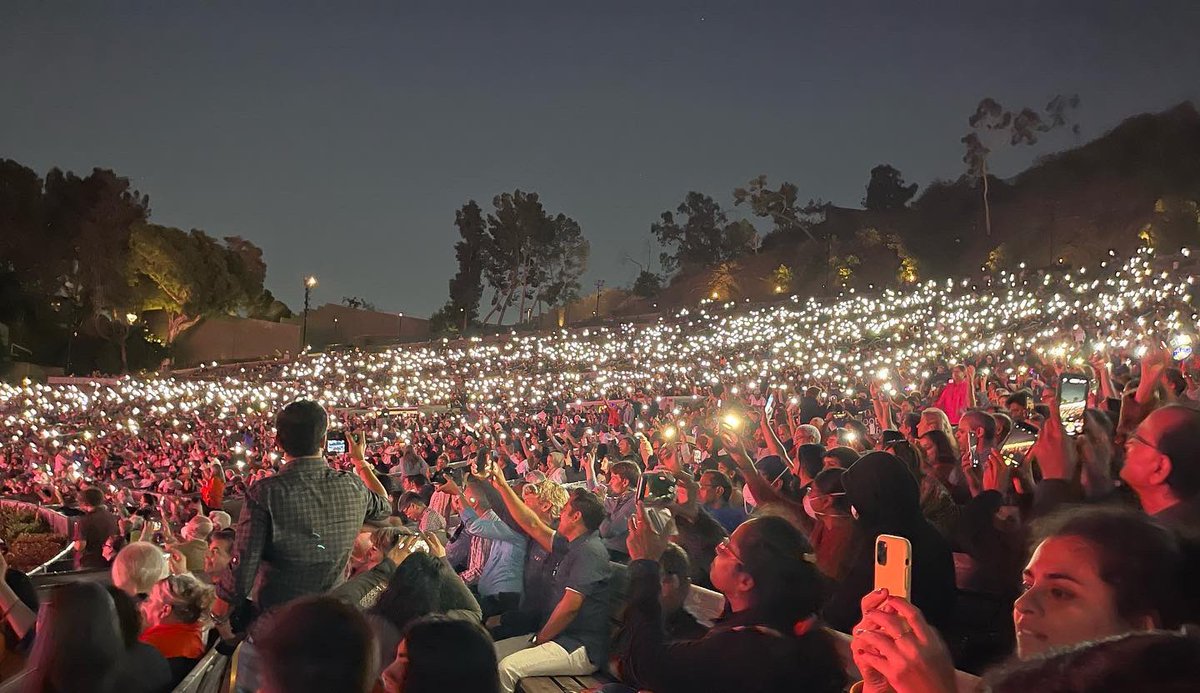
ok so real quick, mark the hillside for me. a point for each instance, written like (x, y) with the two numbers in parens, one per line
(1141, 176)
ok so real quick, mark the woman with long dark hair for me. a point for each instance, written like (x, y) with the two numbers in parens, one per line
(422, 585)
(772, 639)
(439, 653)
(78, 647)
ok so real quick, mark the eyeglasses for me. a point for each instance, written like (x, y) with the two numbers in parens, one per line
(726, 547)
(1134, 436)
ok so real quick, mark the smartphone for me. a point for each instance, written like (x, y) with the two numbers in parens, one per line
(893, 565)
(1072, 400)
(335, 443)
(770, 403)
(973, 449)
(655, 486)
(1016, 445)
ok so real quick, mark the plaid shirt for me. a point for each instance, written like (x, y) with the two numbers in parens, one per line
(297, 529)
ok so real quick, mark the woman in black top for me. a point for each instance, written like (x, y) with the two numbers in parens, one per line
(885, 497)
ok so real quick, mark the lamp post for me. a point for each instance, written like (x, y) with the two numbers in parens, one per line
(309, 282)
(400, 336)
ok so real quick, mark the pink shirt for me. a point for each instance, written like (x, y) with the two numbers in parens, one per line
(954, 400)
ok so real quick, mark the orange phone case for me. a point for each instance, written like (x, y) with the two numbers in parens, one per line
(896, 574)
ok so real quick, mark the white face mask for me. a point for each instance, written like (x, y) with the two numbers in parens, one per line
(812, 512)
(747, 499)
(748, 496)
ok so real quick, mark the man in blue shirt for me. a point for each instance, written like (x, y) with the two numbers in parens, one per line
(499, 583)
(715, 490)
(574, 640)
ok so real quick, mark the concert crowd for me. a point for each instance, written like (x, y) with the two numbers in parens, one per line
(980, 484)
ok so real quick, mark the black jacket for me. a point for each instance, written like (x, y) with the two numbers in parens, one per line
(885, 495)
(746, 652)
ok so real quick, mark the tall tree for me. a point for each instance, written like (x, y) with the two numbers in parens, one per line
(886, 189)
(647, 284)
(23, 247)
(567, 260)
(466, 287)
(90, 220)
(992, 123)
(527, 250)
(699, 234)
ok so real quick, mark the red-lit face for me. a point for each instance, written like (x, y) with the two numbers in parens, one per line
(1065, 601)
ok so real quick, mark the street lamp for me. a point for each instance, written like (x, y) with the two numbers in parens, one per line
(400, 336)
(309, 282)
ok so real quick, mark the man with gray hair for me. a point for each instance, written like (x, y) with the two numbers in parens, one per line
(220, 519)
(195, 542)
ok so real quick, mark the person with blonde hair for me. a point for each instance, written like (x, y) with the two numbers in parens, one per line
(934, 419)
(174, 613)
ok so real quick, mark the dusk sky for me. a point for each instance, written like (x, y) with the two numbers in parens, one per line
(341, 137)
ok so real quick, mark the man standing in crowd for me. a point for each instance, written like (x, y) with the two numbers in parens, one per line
(92, 530)
(574, 640)
(297, 527)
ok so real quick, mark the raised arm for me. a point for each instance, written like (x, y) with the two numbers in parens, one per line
(762, 489)
(522, 514)
(357, 442)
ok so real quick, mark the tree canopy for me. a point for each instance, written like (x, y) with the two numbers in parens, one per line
(191, 275)
(886, 189)
(698, 234)
(529, 258)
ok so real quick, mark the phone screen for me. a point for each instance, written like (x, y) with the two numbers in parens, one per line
(335, 443)
(1072, 400)
(770, 401)
(1017, 445)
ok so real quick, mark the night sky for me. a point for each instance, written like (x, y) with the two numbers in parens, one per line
(341, 137)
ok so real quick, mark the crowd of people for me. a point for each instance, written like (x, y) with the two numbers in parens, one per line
(693, 504)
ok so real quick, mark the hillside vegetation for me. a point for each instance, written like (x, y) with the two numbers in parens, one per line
(1138, 183)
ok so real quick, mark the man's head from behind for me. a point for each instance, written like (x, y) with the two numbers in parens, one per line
(676, 578)
(137, 567)
(1162, 457)
(300, 428)
(197, 528)
(317, 644)
(91, 498)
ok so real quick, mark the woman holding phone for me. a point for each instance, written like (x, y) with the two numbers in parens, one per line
(1094, 573)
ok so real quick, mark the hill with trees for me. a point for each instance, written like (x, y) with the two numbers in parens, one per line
(1137, 184)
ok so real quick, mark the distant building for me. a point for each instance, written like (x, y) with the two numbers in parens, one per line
(333, 323)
